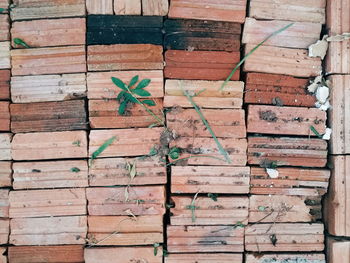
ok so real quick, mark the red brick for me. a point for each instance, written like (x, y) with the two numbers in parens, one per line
(5, 174)
(5, 146)
(53, 32)
(66, 230)
(5, 84)
(287, 151)
(46, 254)
(99, 7)
(4, 28)
(49, 145)
(125, 57)
(290, 237)
(52, 60)
(203, 258)
(209, 179)
(113, 171)
(200, 65)
(4, 231)
(232, 11)
(127, 7)
(338, 250)
(4, 203)
(146, 200)
(4, 116)
(261, 258)
(278, 90)
(5, 62)
(125, 230)
(155, 7)
(58, 174)
(3, 255)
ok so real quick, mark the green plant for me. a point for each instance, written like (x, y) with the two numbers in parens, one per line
(174, 153)
(313, 129)
(103, 147)
(20, 42)
(193, 207)
(213, 197)
(2, 10)
(75, 170)
(76, 143)
(155, 248)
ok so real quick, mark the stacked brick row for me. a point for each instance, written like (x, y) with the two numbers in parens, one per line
(337, 203)
(288, 175)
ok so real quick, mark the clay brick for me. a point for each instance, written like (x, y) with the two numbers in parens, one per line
(4, 4)
(53, 32)
(211, 97)
(48, 116)
(124, 201)
(27, 89)
(278, 60)
(26, 10)
(338, 56)
(5, 84)
(66, 230)
(155, 7)
(200, 65)
(338, 250)
(58, 174)
(39, 203)
(284, 151)
(3, 255)
(104, 114)
(128, 142)
(53, 60)
(337, 206)
(200, 148)
(205, 239)
(4, 203)
(49, 145)
(4, 116)
(204, 258)
(291, 181)
(5, 174)
(125, 230)
(127, 7)
(297, 11)
(278, 90)
(4, 28)
(113, 171)
(223, 211)
(99, 7)
(4, 231)
(201, 35)
(209, 179)
(280, 258)
(5, 55)
(5, 146)
(285, 120)
(46, 254)
(129, 254)
(231, 11)
(100, 85)
(125, 57)
(290, 237)
(299, 35)
(339, 114)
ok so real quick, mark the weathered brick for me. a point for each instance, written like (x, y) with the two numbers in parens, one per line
(4, 28)
(52, 60)
(230, 97)
(114, 171)
(278, 90)
(223, 211)
(57, 174)
(5, 84)
(209, 179)
(99, 7)
(205, 239)
(39, 203)
(26, 10)
(289, 237)
(125, 57)
(46, 254)
(200, 65)
(280, 258)
(127, 7)
(53, 32)
(126, 201)
(232, 11)
(291, 181)
(3, 255)
(66, 230)
(285, 120)
(298, 11)
(283, 151)
(203, 258)
(5, 55)
(27, 89)
(338, 250)
(278, 60)
(128, 142)
(125, 230)
(155, 7)
(4, 203)
(4, 231)
(5, 146)
(49, 145)
(5, 174)
(4, 116)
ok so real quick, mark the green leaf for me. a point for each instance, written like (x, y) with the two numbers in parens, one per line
(143, 84)
(149, 102)
(122, 107)
(103, 147)
(313, 129)
(130, 97)
(261, 208)
(2, 10)
(214, 197)
(155, 248)
(174, 153)
(119, 83)
(141, 92)
(76, 143)
(75, 170)
(20, 42)
(238, 224)
(133, 81)
(153, 152)
(121, 95)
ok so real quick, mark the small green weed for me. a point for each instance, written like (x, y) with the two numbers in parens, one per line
(20, 42)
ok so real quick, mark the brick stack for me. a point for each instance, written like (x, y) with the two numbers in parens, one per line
(48, 118)
(337, 204)
(285, 202)
(202, 49)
